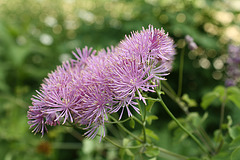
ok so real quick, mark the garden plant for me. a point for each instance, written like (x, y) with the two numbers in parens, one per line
(116, 90)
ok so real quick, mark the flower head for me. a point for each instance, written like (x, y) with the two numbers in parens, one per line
(86, 90)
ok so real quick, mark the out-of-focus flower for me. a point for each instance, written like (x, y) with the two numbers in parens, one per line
(233, 68)
(190, 41)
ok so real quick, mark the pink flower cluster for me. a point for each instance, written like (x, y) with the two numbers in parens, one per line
(85, 90)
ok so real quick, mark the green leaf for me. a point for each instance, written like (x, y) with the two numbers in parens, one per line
(233, 90)
(234, 131)
(235, 154)
(126, 141)
(150, 118)
(190, 102)
(151, 133)
(122, 153)
(208, 99)
(132, 123)
(129, 153)
(218, 137)
(235, 143)
(196, 120)
(221, 156)
(220, 91)
(154, 158)
(235, 99)
(150, 104)
(152, 151)
(233, 94)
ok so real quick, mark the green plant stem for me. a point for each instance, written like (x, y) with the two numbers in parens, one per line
(222, 110)
(125, 120)
(181, 126)
(170, 92)
(177, 100)
(126, 130)
(137, 120)
(203, 139)
(180, 157)
(178, 123)
(143, 113)
(221, 121)
(180, 78)
(119, 146)
(208, 140)
(167, 86)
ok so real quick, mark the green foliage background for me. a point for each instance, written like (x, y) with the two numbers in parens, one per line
(37, 35)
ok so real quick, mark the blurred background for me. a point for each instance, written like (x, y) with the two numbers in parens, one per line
(37, 35)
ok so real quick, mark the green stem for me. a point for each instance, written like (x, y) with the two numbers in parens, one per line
(180, 157)
(177, 100)
(221, 121)
(207, 139)
(120, 121)
(181, 126)
(115, 144)
(119, 146)
(143, 113)
(136, 119)
(180, 78)
(165, 84)
(126, 130)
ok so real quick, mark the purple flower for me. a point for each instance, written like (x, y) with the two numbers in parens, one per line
(190, 41)
(86, 90)
(233, 68)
